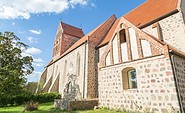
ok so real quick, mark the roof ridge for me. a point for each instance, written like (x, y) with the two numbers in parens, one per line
(103, 23)
(70, 25)
(151, 11)
(72, 30)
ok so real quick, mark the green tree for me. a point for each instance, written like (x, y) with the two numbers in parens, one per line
(13, 66)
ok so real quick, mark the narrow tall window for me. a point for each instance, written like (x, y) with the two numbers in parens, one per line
(64, 74)
(122, 35)
(78, 65)
(56, 71)
(71, 67)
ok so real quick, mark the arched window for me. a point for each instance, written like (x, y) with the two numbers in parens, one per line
(71, 67)
(122, 36)
(78, 65)
(64, 74)
(129, 78)
(56, 71)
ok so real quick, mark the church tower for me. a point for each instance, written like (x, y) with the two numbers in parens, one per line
(66, 36)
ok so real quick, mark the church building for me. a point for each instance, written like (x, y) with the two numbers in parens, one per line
(135, 62)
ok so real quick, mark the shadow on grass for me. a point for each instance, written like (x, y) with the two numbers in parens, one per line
(36, 111)
(10, 112)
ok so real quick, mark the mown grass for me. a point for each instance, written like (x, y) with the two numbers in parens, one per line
(49, 108)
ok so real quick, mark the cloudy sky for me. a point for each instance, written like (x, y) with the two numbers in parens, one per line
(35, 22)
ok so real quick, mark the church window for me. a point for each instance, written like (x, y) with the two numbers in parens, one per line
(78, 65)
(129, 78)
(121, 25)
(56, 70)
(64, 73)
(71, 67)
(122, 36)
(107, 59)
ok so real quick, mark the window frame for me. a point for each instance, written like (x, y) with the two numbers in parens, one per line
(122, 38)
(125, 79)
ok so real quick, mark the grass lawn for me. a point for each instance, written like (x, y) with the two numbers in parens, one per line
(48, 108)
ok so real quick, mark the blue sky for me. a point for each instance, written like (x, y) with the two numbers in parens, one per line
(35, 22)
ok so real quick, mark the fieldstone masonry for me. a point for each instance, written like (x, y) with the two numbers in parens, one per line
(173, 31)
(156, 90)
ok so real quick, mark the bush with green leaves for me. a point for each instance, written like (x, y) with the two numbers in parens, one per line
(47, 97)
(26, 97)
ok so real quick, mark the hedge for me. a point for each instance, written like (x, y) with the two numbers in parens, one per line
(23, 98)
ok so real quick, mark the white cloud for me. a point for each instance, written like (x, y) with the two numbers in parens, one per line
(33, 51)
(35, 74)
(76, 2)
(38, 64)
(11, 9)
(38, 60)
(32, 39)
(24, 54)
(35, 31)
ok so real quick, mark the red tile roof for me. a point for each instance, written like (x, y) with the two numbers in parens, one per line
(71, 30)
(109, 34)
(145, 13)
(150, 10)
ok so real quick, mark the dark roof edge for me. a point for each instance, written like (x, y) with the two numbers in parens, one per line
(176, 52)
(99, 46)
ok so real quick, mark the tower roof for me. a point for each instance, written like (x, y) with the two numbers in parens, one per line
(71, 30)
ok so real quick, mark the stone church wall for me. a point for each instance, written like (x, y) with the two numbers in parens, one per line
(179, 64)
(156, 90)
(173, 30)
(67, 66)
(49, 72)
(101, 51)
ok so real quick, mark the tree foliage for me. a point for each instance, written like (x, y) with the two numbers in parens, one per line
(13, 66)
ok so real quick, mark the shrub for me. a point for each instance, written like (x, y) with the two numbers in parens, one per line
(26, 97)
(47, 97)
(3, 100)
